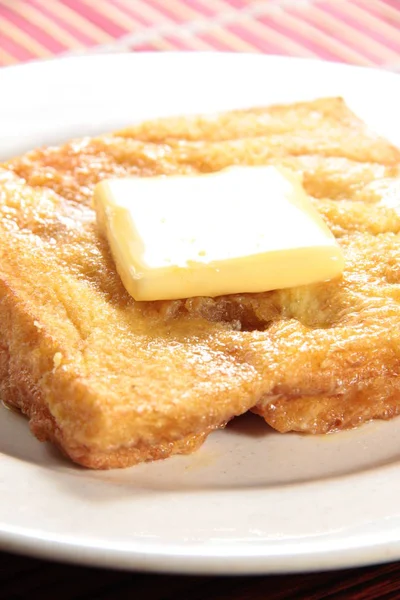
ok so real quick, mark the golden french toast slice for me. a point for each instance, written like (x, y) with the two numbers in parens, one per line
(97, 374)
(113, 381)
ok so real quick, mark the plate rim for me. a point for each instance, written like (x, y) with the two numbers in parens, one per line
(194, 559)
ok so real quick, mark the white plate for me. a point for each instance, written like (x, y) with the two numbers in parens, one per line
(251, 500)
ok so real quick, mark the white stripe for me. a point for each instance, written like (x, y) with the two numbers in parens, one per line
(202, 25)
(233, 40)
(376, 48)
(385, 9)
(148, 12)
(296, 23)
(80, 23)
(195, 43)
(6, 58)
(179, 8)
(113, 13)
(50, 27)
(276, 37)
(22, 39)
(387, 29)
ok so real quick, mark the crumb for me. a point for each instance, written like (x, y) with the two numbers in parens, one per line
(57, 358)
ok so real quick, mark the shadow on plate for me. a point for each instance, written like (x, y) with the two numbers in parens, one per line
(250, 425)
(246, 455)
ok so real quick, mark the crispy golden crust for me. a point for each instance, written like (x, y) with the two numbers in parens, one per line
(111, 380)
(120, 385)
(18, 389)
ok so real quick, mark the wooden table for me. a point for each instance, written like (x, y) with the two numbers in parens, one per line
(22, 577)
(366, 32)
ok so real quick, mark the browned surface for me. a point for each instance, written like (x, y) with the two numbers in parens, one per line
(108, 379)
(22, 578)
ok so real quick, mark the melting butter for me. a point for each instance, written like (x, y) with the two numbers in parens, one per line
(243, 229)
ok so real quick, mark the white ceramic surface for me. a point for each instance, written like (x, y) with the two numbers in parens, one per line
(251, 500)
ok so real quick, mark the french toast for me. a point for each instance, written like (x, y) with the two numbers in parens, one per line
(114, 382)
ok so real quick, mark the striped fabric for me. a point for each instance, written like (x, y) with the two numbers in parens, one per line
(362, 32)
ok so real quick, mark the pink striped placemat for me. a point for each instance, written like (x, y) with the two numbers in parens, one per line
(362, 32)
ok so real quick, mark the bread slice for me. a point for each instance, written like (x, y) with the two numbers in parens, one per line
(114, 382)
(110, 381)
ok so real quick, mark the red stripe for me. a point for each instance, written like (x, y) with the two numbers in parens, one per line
(332, 9)
(33, 31)
(129, 10)
(162, 8)
(214, 42)
(80, 35)
(333, 32)
(15, 49)
(135, 9)
(393, 3)
(368, 28)
(378, 12)
(300, 38)
(238, 3)
(206, 9)
(260, 43)
(145, 48)
(178, 42)
(96, 18)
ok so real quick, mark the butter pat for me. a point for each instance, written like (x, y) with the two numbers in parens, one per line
(243, 229)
